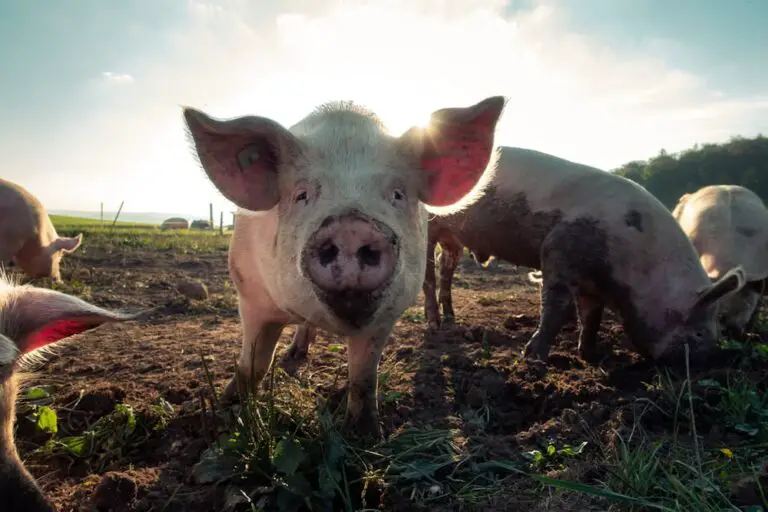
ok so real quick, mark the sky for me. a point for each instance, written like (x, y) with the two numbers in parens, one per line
(91, 91)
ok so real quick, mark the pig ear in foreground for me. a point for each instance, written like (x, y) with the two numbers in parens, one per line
(455, 149)
(37, 317)
(733, 281)
(241, 156)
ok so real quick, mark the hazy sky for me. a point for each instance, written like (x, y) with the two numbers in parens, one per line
(90, 91)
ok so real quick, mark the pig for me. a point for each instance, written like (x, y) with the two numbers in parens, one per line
(31, 319)
(331, 227)
(599, 240)
(728, 226)
(27, 236)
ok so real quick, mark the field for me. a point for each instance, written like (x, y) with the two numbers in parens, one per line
(125, 417)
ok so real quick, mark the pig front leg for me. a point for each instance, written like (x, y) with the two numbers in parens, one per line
(590, 311)
(260, 338)
(429, 286)
(449, 260)
(362, 415)
(299, 348)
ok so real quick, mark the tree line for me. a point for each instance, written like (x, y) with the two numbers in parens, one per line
(740, 161)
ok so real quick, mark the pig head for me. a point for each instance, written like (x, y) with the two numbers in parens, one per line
(728, 226)
(332, 223)
(30, 319)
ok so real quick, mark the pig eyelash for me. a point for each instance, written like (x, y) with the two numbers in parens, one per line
(300, 195)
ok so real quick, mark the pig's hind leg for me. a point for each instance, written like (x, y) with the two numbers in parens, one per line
(590, 311)
(296, 354)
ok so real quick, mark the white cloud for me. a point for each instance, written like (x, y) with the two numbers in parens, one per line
(117, 78)
(570, 94)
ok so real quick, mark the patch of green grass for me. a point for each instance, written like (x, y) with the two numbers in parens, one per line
(678, 472)
(68, 222)
(285, 450)
(128, 235)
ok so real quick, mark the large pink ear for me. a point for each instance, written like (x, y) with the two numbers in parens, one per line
(34, 317)
(67, 245)
(242, 156)
(455, 149)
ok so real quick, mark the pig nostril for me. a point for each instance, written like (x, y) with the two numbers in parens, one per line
(327, 253)
(368, 257)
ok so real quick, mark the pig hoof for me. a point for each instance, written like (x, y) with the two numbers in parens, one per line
(588, 355)
(433, 325)
(365, 430)
(292, 359)
(533, 350)
(230, 394)
(449, 321)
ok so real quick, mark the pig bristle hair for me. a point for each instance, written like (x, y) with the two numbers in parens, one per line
(32, 360)
(477, 191)
(332, 107)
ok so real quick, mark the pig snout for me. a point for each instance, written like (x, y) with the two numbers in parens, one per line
(350, 259)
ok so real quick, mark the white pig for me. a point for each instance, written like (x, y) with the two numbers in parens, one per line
(27, 236)
(332, 227)
(728, 225)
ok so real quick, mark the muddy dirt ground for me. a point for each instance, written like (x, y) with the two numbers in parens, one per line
(440, 378)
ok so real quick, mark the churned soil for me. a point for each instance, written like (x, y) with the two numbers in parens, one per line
(439, 377)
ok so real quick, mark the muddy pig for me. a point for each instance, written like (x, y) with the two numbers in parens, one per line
(728, 225)
(331, 227)
(30, 319)
(599, 240)
(27, 236)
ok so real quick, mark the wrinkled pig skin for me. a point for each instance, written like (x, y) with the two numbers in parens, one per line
(599, 240)
(27, 236)
(332, 224)
(728, 226)
(30, 319)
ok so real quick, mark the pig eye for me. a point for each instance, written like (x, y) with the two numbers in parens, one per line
(397, 195)
(300, 196)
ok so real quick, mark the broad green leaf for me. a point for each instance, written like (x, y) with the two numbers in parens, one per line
(47, 420)
(288, 456)
(76, 445)
(36, 393)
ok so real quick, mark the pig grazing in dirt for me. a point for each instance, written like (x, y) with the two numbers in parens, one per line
(30, 319)
(599, 240)
(27, 236)
(728, 226)
(332, 226)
